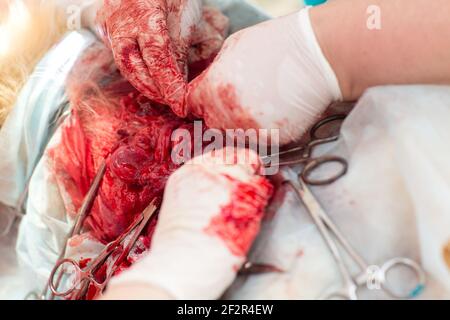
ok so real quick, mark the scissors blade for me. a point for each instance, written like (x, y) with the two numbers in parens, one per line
(313, 205)
(135, 232)
(89, 199)
(135, 229)
(147, 214)
(310, 201)
(81, 216)
(140, 222)
(258, 268)
(316, 211)
(363, 265)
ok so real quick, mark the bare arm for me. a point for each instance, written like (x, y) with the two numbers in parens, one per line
(412, 45)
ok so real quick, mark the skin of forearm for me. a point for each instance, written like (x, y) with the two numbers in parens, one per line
(411, 47)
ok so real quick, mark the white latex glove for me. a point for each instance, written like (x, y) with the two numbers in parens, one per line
(210, 216)
(273, 75)
(150, 40)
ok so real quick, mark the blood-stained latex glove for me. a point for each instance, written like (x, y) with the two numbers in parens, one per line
(273, 75)
(209, 218)
(207, 40)
(150, 40)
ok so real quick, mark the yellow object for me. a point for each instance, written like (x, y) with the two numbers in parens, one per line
(28, 28)
(447, 255)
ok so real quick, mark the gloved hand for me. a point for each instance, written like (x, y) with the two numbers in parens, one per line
(210, 216)
(207, 40)
(150, 40)
(273, 75)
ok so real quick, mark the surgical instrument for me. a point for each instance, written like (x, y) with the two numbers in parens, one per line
(84, 210)
(304, 154)
(258, 268)
(351, 283)
(325, 225)
(83, 278)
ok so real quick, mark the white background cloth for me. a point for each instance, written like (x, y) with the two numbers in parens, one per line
(394, 201)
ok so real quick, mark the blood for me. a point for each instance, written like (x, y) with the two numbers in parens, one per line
(112, 120)
(122, 126)
(153, 45)
(196, 68)
(218, 104)
(84, 262)
(238, 222)
(137, 167)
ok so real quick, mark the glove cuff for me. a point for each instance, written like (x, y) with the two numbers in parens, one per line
(327, 72)
(185, 273)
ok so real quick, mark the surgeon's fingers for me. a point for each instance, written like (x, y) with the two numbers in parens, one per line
(215, 95)
(127, 55)
(217, 20)
(206, 43)
(159, 55)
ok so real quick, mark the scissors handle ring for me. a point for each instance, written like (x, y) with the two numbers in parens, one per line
(317, 162)
(54, 286)
(410, 264)
(313, 132)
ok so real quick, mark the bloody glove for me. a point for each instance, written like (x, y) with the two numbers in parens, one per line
(271, 76)
(211, 214)
(150, 40)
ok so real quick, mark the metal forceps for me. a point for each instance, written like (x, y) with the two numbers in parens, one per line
(304, 155)
(85, 277)
(83, 212)
(351, 283)
(326, 225)
(310, 163)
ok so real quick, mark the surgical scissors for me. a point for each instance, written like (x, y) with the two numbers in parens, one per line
(326, 225)
(306, 157)
(351, 283)
(83, 278)
(83, 212)
(251, 268)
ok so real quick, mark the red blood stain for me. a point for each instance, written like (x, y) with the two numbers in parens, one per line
(84, 262)
(238, 223)
(137, 167)
(218, 105)
(112, 120)
(196, 68)
(126, 128)
(138, 33)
